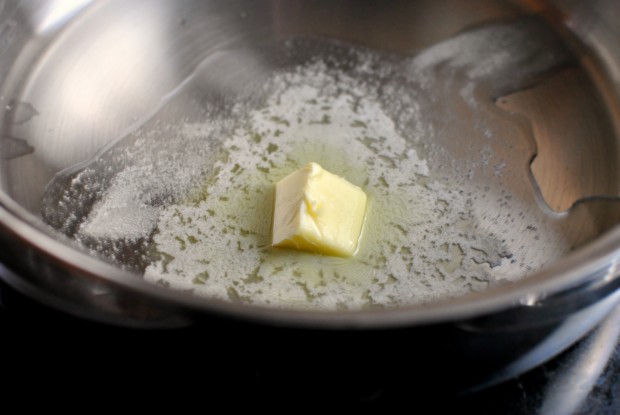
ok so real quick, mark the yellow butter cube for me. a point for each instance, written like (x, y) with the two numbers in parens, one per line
(319, 212)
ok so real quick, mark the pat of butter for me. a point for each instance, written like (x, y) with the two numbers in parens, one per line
(317, 211)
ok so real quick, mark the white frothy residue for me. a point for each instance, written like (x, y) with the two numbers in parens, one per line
(504, 53)
(158, 174)
(122, 211)
(418, 240)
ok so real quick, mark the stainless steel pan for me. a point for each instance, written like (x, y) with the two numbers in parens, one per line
(76, 75)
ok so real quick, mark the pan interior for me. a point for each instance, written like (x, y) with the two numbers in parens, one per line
(480, 159)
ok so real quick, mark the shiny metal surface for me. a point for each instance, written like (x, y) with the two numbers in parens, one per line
(76, 75)
(577, 377)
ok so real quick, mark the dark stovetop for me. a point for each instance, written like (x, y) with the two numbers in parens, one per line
(104, 362)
